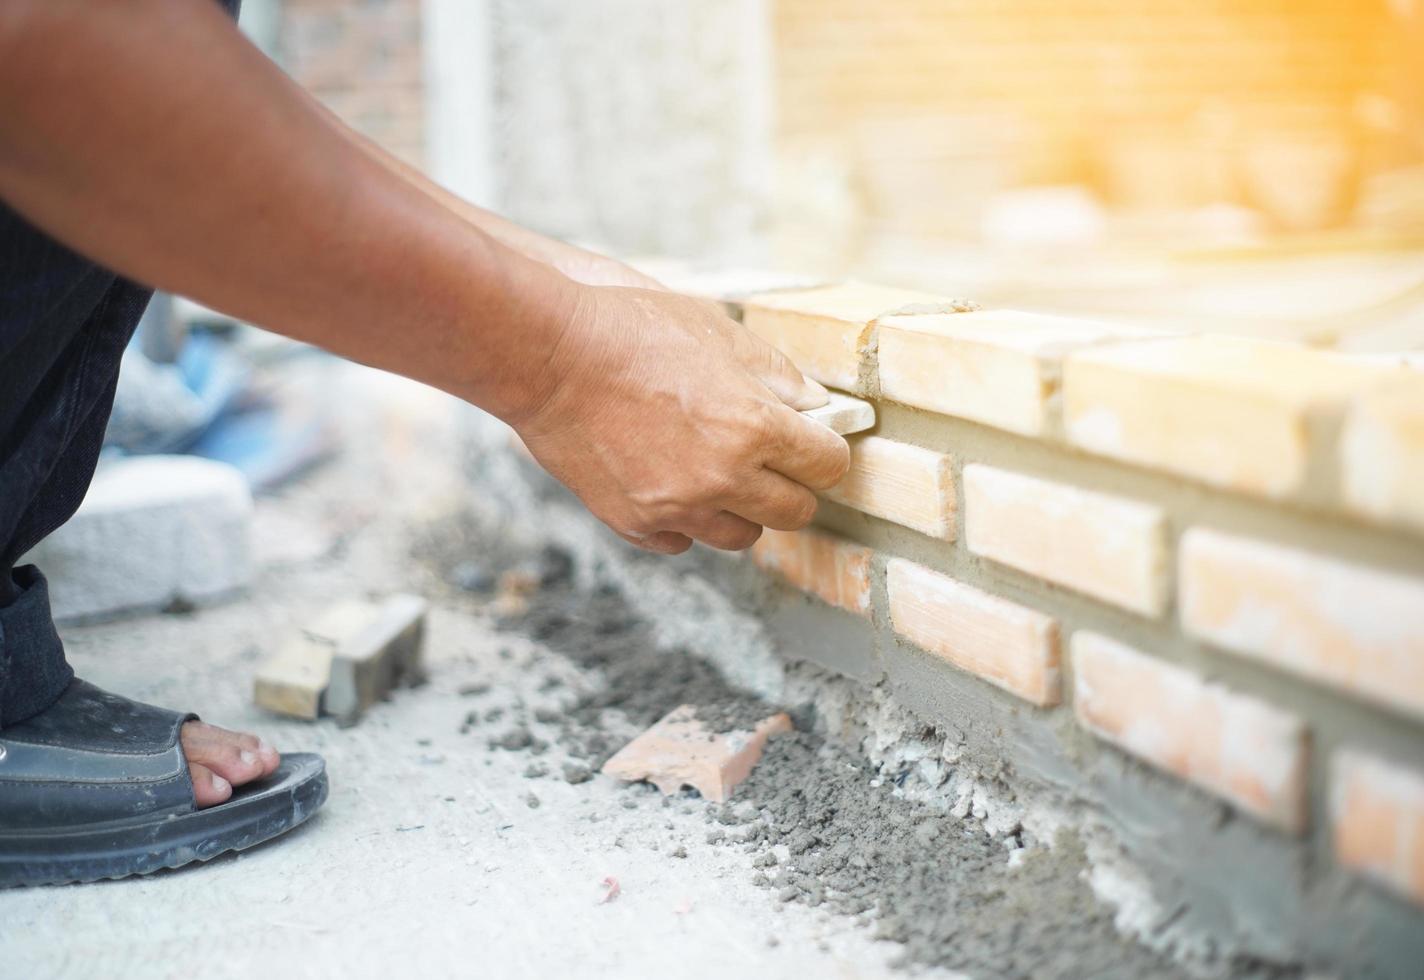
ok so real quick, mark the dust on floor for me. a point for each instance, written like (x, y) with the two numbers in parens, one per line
(824, 829)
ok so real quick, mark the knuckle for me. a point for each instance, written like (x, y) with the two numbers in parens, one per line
(804, 511)
(835, 465)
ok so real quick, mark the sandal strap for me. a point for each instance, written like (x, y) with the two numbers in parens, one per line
(93, 756)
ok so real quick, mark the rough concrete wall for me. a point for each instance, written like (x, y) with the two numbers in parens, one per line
(635, 123)
(363, 60)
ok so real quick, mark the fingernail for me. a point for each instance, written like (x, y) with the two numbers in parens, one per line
(816, 386)
(265, 748)
(248, 758)
(220, 784)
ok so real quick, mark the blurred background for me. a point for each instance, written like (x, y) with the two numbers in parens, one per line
(1249, 166)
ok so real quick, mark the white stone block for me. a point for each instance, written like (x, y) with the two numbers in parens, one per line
(152, 530)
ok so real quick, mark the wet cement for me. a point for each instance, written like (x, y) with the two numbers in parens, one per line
(828, 829)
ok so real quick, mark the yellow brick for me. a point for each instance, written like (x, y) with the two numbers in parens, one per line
(1352, 628)
(835, 570)
(1008, 645)
(827, 331)
(1234, 746)
(1383, 453)
(997, 367)
(1227, 411)
(1107, 547)
(900, 482)
(1377, 821)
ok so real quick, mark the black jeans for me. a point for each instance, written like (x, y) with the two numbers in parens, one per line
(64, 323)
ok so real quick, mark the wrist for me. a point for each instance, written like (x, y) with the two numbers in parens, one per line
(537, 342)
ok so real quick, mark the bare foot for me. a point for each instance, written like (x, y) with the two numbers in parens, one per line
(219, 760)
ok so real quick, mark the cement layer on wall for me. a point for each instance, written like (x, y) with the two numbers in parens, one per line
(1216, 885)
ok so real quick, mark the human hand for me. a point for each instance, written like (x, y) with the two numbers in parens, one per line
(592, 269)
(672, 422)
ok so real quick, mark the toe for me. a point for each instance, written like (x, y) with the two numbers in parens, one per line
(209, 789)
(236, 757)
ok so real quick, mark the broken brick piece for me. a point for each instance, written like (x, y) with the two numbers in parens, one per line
(680, 751)
(292, 682)
(349, 658)
(843, 414)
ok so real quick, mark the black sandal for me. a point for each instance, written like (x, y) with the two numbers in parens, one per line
(96, 786)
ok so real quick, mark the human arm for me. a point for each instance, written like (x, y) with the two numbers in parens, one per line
(153, 138)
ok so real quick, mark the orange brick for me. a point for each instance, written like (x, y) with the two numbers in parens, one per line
(681, 751)
(1236, 747)
(1377, 819)
(1352, 628)
(906, 484)
(998, 367)
(1104, 546)
(1008, 645)
(835, 570)
(1227, 411)
(1382, 453)
(827, 331)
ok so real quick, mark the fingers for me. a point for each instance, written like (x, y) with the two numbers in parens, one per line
(772, 500)
(660, 542)
(726, 531)
(775, 370)
(804, 450)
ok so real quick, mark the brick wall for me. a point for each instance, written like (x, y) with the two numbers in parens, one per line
(1203, 553)
(363, 60)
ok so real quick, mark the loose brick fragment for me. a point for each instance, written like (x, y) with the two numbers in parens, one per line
(1231, 412)
(1102, 545)
(680, 751)
(1382, 453)
(1234, 746)
(835, 570)
(1377, 819)
(1355, 629)
(351, 656)
(843, 414)
(293, 680)
(997, 367)
(1006, 644)
(827, 331)
(906, 484)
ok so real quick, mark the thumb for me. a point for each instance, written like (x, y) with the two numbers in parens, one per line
(787, 383)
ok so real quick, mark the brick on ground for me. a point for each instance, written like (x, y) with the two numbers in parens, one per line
(352, 656)
(152, 531)
(679, 750)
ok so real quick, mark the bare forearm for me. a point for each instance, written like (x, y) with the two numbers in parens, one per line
(152, 137)
(581, 265)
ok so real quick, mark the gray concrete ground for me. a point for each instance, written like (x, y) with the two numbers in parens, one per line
(428, 859)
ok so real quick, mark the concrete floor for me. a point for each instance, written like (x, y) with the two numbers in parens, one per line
(427, 860)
